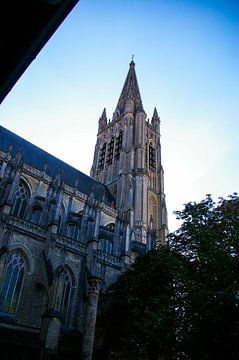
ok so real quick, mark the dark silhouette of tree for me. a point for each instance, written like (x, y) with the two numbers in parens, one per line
(180, 301)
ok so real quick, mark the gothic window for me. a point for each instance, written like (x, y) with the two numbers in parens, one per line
(73, 231)
(102, 157)
(20, 201)
(105, 245)
(12, 270)
(118, 145)
(152, 157)
(110, 150)
(66, 295)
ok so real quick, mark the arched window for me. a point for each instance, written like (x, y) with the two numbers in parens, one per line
(105, 245)
(12, 270)
(110, 150)
(101, 160)
(73, 231)
(152, 157)
(118, 144)
(20, 201)
(66, 280)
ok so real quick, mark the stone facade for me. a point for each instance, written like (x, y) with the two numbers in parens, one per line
(64, 237)
(128, 160)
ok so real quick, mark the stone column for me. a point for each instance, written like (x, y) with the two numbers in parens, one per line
(50, 334)
(90, 318)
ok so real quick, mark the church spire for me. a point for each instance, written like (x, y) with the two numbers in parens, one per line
(130, 99)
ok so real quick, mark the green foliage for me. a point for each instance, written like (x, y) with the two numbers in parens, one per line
(180, 301)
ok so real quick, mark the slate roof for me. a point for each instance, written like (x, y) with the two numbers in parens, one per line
(38, 158)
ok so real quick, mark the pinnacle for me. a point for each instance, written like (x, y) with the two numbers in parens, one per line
(103, 116)
(103, 113)
(155, 114)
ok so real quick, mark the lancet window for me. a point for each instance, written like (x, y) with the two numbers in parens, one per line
(110, 150)
(102, 157)
(118, 145)
(12, 269)
(66, 282)
(152, 157)
(20, 201)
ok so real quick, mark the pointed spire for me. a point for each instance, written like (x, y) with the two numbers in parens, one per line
(130, 99)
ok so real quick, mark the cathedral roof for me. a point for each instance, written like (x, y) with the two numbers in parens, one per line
(38, 159)
(130, 91)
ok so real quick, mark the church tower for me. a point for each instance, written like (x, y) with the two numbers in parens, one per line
(127, 159)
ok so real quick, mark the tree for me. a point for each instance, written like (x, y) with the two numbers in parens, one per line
(137, 319)
(179, 301)
(208, 240)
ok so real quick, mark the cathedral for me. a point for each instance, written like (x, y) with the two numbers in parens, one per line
(65, 236)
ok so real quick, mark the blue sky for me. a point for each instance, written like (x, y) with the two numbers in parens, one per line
(186, 55)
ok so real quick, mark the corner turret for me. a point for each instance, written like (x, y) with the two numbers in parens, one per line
(102, 122)
(156, 121)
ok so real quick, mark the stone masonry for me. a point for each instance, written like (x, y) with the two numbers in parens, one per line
(65, 236)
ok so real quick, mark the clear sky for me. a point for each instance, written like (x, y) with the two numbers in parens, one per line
(187, 64)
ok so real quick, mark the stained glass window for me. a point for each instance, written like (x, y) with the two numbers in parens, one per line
(20, 201)
(11, 275)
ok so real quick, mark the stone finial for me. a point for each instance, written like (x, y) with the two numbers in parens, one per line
(103, 116)
(155, 117)
(18, 160)
(102, 122)
(56, 181)
(45, 167)
(9, 149)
